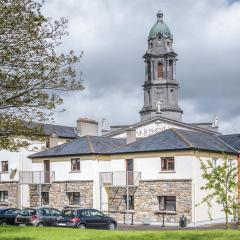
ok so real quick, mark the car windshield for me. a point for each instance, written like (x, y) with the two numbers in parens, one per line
(28, 212)
(69, 213)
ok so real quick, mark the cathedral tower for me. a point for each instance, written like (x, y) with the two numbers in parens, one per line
(160, 86)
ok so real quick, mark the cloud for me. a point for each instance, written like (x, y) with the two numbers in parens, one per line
(113, 36)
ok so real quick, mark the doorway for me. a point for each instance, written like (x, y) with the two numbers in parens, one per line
(46, 164)
(129, 172)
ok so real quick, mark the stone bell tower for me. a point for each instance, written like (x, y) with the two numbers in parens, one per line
(160, 86)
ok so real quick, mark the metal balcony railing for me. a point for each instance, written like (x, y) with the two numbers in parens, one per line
(121, 178)
(36, 177)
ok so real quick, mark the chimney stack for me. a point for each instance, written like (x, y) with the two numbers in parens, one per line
(53, 140)
(131, 135)
(87, 126)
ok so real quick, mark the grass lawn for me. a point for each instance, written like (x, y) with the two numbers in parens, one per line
(33, 233)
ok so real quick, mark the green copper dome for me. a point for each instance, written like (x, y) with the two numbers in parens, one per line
(160, 28)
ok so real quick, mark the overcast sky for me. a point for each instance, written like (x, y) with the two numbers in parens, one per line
(113, 36)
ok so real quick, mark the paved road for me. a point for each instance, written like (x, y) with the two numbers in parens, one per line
(123, 227)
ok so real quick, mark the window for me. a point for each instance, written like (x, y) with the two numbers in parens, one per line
(215, 162)
(3, 196)
(149, 71)
(95, 213)
(44, 212)
(230, 163)
(130, 202)
(12, 211)
(45, 198)
(167, 203)
(74, 198)
(75, 164)
(167, 164)
(4, 166)
(160, 70)
(55, 212)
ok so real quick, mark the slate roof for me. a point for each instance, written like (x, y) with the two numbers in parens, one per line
(86, 145)
(60, 131)
(177, 139)
(232, 139)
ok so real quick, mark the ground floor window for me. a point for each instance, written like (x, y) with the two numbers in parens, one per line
(45, 198)
(130, 202)
(167, 203)
(3, 196)
(74, 198)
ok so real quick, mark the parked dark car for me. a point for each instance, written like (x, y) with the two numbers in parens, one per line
(86, 218)
(38, 217)
(8, 215)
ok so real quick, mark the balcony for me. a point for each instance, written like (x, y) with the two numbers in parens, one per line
(120, 179)
(4, 176)
(36, 177)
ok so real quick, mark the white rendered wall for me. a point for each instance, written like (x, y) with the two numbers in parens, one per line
(150, 168)
(201, 211)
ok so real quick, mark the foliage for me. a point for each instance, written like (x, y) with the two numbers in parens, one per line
(33, 233)
(32, 74)
(221, 186)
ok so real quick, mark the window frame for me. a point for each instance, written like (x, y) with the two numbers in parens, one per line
(78, 165)
(215, 162)
(160, 70)
(4, 166)
(42, 198)
(168, 159)
(131, 202)
(3, 198)
(165, 201)
(71, 198)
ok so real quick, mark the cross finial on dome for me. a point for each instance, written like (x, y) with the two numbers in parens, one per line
(159, 15)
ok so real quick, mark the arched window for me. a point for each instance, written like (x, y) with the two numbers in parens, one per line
(171, 68)
(160, 70)
(149, 71)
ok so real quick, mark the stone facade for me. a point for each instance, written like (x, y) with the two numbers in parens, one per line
(146, 205)
(12, 189)
(117, 200)
(58, 193)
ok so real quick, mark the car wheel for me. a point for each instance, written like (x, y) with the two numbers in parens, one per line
(40, 225)
(112, 226)
(81, 226)
(3, 223)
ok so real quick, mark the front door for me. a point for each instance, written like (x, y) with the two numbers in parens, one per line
(46, 171)
(129, 171)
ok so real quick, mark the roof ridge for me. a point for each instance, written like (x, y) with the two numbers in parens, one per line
(90, 144)
(182, 137)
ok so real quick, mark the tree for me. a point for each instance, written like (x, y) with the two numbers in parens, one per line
(32, 74)
(221, 186)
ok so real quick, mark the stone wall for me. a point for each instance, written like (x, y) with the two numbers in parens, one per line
(58, 193)
(12, 188)
(117, 201)
(146, 205)
(35, 193)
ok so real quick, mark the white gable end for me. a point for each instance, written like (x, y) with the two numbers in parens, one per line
(150, 129)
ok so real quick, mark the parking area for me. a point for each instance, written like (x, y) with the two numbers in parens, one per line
(124, 227)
